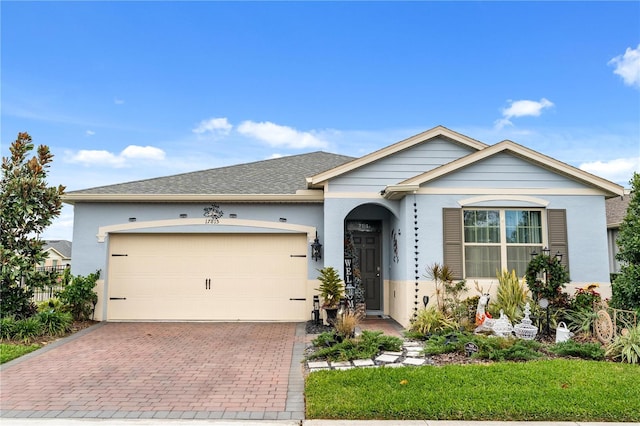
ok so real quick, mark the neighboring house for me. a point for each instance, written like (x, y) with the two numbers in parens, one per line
(616, 211)
(58, 254)
(234, 243)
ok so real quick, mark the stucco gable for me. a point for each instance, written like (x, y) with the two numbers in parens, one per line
(609, 189)
(318, 180)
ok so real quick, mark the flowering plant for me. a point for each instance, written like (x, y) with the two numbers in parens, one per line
(586, 297)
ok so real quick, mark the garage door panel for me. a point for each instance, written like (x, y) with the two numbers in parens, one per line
(207, 277)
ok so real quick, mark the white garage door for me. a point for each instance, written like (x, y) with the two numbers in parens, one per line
(249, 277)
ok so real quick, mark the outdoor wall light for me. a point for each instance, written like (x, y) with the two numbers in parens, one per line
(183, 215)
(316, 248)
(233, 215)
(132, 219)
(283, 219)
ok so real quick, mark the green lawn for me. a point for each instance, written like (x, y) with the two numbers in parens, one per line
(11, 351)
(551, 390)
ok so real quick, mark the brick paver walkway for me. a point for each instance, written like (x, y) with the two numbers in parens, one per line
(163, 370)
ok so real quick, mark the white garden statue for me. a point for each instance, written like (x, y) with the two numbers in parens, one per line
(484, 322)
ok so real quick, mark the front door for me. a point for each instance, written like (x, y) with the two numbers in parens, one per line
(367, 248)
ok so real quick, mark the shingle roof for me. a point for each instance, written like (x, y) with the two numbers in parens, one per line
(61, 246)
(616, 210)
(283, 175)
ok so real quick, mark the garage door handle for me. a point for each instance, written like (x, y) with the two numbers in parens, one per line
(207, 284)
(117, 298)
(299, 298)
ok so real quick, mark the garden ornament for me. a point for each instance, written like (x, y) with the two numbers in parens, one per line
(562, 333)
(502, 327)
(481, 311)
(525, 330)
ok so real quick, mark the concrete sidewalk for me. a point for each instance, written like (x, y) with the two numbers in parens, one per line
(154, 422)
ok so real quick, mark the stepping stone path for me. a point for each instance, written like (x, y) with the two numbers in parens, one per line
(409, 356)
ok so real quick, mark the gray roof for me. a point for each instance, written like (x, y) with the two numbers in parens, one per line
(61, 246)
(616, 208)
(283, 175)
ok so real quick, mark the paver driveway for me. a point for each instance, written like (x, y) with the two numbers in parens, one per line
(163, 370)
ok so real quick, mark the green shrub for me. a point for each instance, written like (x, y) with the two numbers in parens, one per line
(440, 344)
(383, 342)
(414, 335)
(28, 328)
(626, 347)
(53, 303)
(369, 344)
(7, 328)
(55, 323)
(581, 350)
(16, 301)
(581, 320)
(431, 320)
(585, 298)
(324, 339)
(331, 288)
(511, 296)
(78, 295)
(625, 289)
(514, 350)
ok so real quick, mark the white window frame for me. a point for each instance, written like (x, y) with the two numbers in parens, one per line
(503, 235)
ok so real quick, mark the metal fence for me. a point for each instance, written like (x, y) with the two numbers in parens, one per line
(40, 295)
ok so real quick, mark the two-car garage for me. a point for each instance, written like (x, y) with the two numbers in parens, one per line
(207, 277)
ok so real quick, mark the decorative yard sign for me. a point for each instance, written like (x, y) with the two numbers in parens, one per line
(348, 281)
(470, 348)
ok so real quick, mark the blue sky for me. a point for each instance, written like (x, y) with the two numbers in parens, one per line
(122, 91)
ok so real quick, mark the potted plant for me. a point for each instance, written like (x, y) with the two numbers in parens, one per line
(331, 290)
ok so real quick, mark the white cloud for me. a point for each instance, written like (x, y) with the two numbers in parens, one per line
(280, 136)
(143, 153)
(118, 101)
(216, 126)
(125, 158)
(522, 108)
(89, 133)
(95, 156)
(618, 170)
(627, 66)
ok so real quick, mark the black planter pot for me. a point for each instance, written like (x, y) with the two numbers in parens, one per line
(332, 314)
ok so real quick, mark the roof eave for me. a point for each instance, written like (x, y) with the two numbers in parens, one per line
(397, 192)
(301, 196)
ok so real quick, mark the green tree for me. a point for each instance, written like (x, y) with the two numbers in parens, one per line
(28, 206)
(626, 286)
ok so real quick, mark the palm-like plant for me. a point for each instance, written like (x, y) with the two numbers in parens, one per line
(331, 288)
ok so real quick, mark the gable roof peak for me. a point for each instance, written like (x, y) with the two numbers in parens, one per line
(525, 153)
(438, 131)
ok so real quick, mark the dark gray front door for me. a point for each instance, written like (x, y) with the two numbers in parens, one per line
(367, 247)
